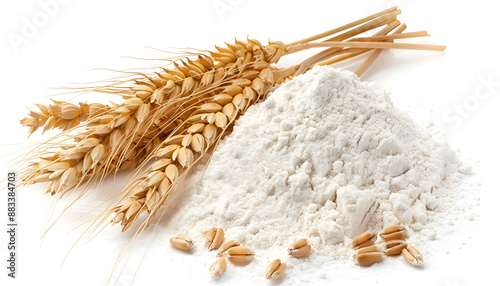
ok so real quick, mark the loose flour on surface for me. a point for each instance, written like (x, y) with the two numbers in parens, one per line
(326, 157)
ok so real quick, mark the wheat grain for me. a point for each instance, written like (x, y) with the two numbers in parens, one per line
(218, 267)
(275, 269)
(239, 254)
(371, 248)
(391, 229)
(363, 239)
(413, 256)
(226, 245)
(394, 247)
(393, 235)
(182, 241)
(368, 258)
(214, 238)
(299, 248)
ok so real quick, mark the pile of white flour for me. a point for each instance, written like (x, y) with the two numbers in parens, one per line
(325, 157)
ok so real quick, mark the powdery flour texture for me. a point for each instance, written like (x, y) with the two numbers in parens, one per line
(325, 157)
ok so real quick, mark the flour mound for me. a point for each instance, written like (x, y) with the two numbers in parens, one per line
(325, 157)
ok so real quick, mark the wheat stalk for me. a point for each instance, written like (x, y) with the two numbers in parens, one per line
(113, 136)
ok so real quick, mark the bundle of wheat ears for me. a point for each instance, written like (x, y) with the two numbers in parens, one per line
(171, 119)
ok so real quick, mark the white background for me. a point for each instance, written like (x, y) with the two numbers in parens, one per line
(78, 36)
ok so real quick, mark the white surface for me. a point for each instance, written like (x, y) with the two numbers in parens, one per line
(81, 36)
